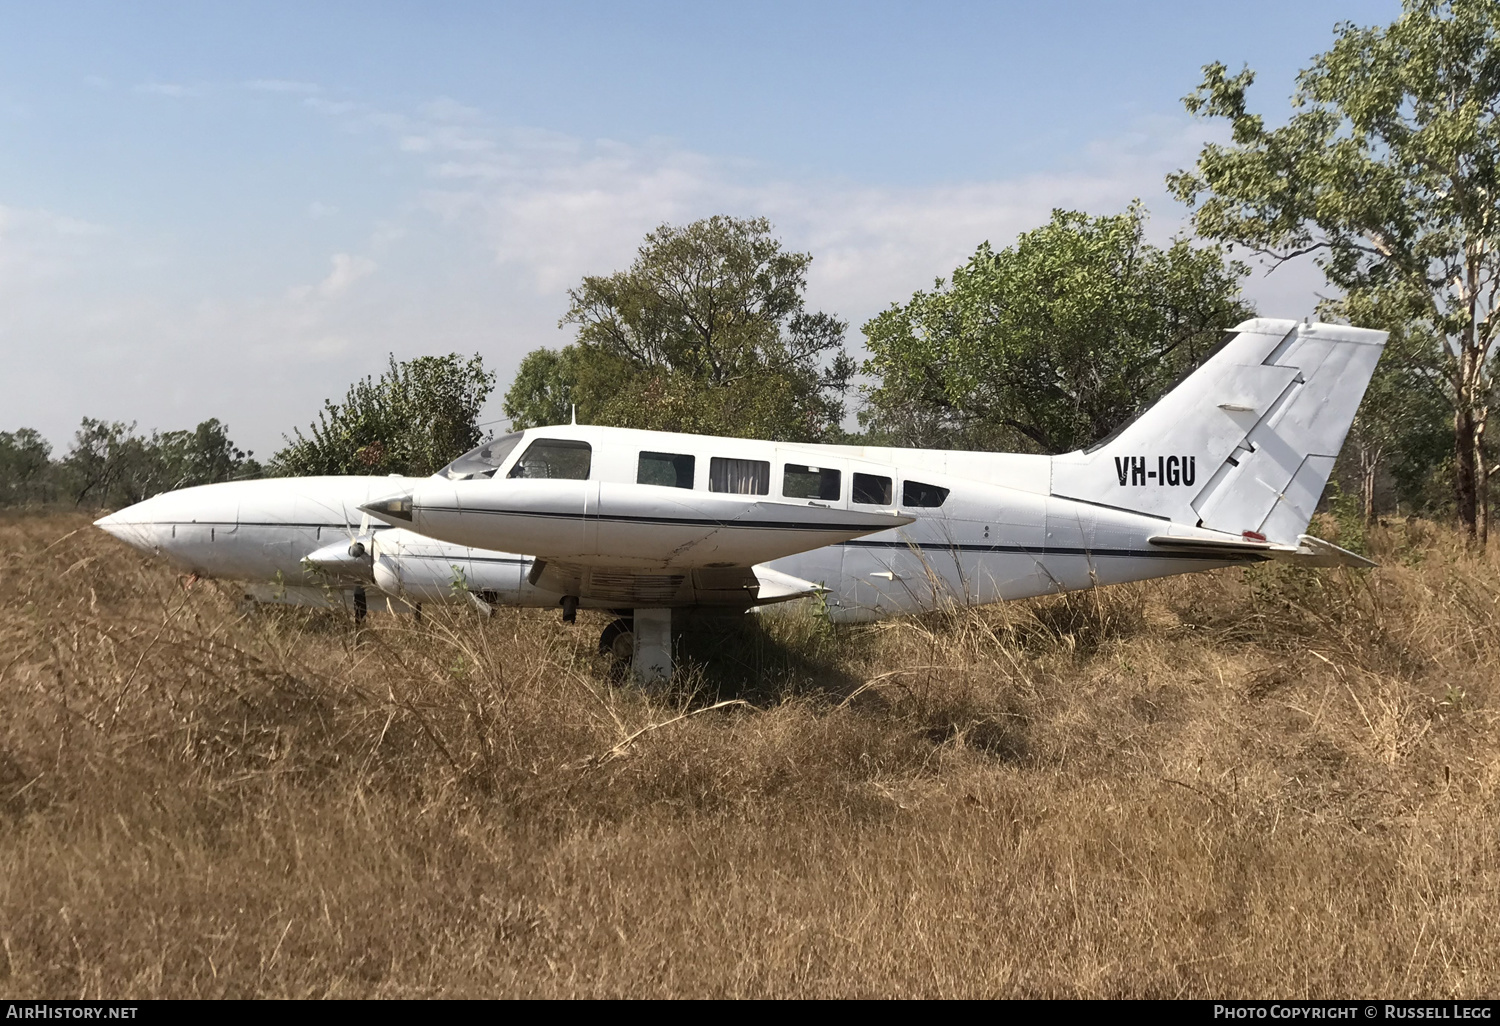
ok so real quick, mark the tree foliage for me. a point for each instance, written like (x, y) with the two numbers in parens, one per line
(1050, 344)
(1404, 429)
(544, 391)
(1387, 171)
(25, 459)
(416, 418)
(707, 331)
(110, 465)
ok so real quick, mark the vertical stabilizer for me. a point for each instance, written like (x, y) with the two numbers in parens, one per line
(1246, 442)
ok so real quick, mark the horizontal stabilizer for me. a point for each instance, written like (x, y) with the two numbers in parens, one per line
(1317, 552)
(1308, 551)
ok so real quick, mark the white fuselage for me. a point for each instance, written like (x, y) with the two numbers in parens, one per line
(975, 527)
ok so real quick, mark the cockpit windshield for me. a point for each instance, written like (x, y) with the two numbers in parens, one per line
(483, 461)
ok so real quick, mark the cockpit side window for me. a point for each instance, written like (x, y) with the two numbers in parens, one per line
(483, 461)
(915, 493)
(556, 458)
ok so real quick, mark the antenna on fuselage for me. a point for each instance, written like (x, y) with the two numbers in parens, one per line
(575, 414)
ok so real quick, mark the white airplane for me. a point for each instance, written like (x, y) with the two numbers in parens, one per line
(1226, 469)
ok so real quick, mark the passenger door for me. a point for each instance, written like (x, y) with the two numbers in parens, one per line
(883, 574)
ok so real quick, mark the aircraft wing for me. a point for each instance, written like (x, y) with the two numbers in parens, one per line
(624, 526)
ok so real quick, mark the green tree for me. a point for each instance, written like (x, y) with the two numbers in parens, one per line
(543, 391)
(25, 459)
(417, 417)
(1387, 171)
(110, 465)
(1050, 344)
(707, 331)
(204, 455)
(99, 467)
(1404, 425)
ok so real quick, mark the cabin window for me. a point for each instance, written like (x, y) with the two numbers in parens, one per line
(739, 477)
(915, 493)
(556, 458)
(482, 461)
(672, 470)
(799, 482)
(872, 490)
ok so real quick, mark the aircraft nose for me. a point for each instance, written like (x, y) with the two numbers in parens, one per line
(110, 524)
(126, 528)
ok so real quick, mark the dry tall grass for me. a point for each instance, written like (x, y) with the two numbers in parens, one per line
(1241, 783)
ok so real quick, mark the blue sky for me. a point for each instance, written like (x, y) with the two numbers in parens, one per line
(234, 210)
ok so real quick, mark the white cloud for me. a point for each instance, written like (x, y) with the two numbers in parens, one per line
(280, 85)
(38, 246)
(331, 107)
(346, 271)
(551, 210)
(479, 256)
(444, 109)
(172, 89)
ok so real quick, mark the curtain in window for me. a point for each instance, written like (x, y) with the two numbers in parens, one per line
(741, 477)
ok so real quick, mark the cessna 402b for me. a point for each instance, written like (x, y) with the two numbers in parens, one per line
(1225, 469)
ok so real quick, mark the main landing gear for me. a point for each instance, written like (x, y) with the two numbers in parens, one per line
(643, 642)
(617, 642)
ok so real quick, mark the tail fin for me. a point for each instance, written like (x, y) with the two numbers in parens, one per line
(1245, 443)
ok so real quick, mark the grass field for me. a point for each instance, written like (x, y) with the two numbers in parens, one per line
(1248, 782)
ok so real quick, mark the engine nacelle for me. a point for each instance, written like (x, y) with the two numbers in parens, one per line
(419, 569)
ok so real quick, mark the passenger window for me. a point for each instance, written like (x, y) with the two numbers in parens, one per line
(872, 490)
(741, 477)
(665, 468)
(800, 482)
(557, 458)
(915, 493)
